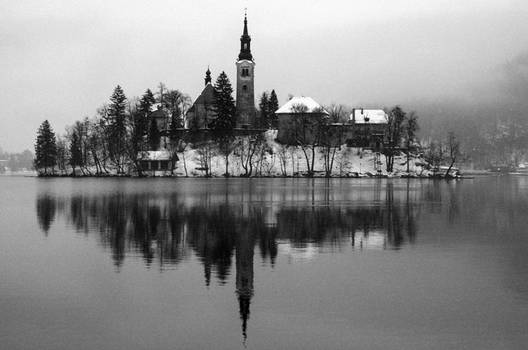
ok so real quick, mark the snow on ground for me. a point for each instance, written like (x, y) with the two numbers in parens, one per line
(348, 161)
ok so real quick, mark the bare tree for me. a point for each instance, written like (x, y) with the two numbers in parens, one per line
(453, 151)
(62, 155)
(393, 135)
(331, 136)
(283, 159)
(307, 133)
(206, 152)
(410, 129)
(435, 155)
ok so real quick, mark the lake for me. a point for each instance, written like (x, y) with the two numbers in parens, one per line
(263, 263)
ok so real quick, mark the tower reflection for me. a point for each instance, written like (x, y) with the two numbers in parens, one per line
(165, 229)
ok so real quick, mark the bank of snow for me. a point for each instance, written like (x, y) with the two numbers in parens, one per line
(290, 161)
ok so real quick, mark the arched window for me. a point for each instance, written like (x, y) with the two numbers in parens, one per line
(244, 87)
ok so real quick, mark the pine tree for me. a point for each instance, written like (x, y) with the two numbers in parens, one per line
(224, 105)
(45, 149)
(265, 122)
(224, 124)
(116, 127)
(273, 106)
(140, 127)
(146, 102)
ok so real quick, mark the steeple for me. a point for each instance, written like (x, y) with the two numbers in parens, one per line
(207, 76)
(245, 43)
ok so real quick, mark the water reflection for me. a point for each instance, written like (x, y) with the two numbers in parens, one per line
(46, 209)
(168, 228)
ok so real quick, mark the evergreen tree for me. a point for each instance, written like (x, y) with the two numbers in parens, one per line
(265, 122)
(154, 135)
(224, 105)
(147, 101)
(116, 127)
(273, 106)
(140, 127)
(45, 149)
(224, 124)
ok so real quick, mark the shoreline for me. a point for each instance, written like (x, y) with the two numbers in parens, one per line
(358, 176)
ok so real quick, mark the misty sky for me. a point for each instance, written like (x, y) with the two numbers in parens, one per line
(60, 60)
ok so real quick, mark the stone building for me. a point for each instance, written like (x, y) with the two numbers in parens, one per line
(202, 112)
(298, 119)
(369, 127)
(303, 121)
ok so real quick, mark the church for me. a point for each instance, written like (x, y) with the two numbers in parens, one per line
(202, 113)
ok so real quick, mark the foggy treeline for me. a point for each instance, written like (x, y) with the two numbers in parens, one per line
(15, 161)
(491, 120)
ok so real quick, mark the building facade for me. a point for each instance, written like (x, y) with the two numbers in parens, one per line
(202, 113)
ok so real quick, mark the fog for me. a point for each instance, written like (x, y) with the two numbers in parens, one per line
(60, 60)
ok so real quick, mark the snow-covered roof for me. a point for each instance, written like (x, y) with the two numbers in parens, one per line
(371, 116)
(155, 155)
(309, 102)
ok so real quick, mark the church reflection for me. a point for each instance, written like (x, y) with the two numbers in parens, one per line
(165, 229)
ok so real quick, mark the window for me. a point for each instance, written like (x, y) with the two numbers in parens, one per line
(245, 46)
(244, 87)
(245, 72)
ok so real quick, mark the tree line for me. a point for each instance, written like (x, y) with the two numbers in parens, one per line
(18, 161)
(114, 141)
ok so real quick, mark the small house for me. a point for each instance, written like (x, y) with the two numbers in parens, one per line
(157, 162)
(369, 127)
(298, 118)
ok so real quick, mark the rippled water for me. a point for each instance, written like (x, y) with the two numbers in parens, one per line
(263, 263)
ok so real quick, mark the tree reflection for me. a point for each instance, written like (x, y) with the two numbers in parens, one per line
(46, 208)
(166, 228)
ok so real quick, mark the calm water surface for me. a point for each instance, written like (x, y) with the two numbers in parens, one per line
(263, 264)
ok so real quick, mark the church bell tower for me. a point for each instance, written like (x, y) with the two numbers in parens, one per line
(245, 93)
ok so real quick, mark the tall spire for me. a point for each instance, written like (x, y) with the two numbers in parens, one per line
(245, 23)
(245, 43)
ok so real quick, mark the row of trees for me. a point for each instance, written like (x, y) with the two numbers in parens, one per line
(317, 130)
(112, 141)
(441, 152)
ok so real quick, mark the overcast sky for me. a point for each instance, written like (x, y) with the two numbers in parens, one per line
(60, 60)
